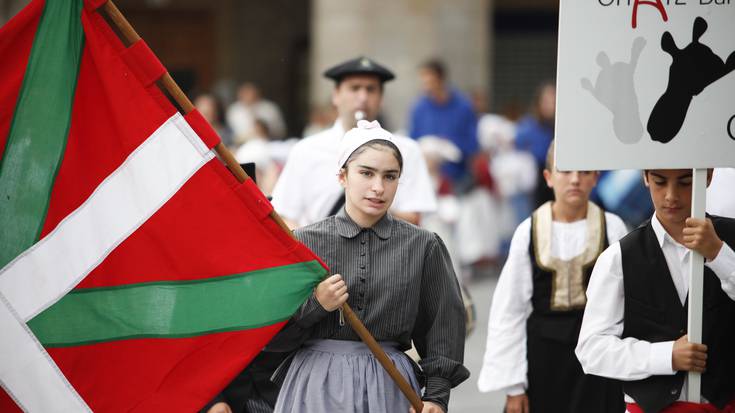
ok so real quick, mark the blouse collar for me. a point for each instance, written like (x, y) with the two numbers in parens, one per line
(347, 228)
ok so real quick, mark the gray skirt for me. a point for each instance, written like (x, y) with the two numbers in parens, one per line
(343, 376)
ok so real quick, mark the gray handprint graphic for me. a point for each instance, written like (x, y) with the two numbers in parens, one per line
(615, 90)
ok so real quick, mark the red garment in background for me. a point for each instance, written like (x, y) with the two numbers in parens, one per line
(687, 407)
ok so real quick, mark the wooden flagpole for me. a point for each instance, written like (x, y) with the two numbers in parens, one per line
(129, 36)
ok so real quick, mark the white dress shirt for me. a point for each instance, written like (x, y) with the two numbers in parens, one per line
(505, 365)
(308, 188)
(600, 348)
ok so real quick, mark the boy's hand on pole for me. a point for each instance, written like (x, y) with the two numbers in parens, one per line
(686, 356)
(517, 404)
(700, 236)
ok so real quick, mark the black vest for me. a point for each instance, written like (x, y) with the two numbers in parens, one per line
(547, 322)
(654, 313)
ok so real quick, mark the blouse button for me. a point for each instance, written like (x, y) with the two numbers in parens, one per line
(362, 242)
(362, 267)
(362, 279)
(362, 254)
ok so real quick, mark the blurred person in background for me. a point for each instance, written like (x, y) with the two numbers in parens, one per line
(250, 105)
(479, 215)
(321, 117)
(624, 193)
(539, 302)
(443, 221)
(307, 192)
(258, 150)
(445, 112)
(513, 173)
(534, 134)
(721, 193)
(211, 108)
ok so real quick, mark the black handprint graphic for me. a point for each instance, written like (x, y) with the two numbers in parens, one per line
(693, 68)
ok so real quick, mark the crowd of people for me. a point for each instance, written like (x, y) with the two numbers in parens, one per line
(580, 320)
(480, 170)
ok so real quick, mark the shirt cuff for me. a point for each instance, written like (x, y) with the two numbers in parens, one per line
(437, 391)
(659, 358)
(311, 313)
(724, 263)
(515, 390)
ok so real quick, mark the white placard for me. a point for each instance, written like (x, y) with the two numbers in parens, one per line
(636, 97)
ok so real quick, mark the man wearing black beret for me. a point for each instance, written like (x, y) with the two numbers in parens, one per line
(359, 66)
(307, 190)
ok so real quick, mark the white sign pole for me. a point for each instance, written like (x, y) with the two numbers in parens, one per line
(696, 285)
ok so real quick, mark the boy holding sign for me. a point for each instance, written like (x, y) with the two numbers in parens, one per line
(635, 322)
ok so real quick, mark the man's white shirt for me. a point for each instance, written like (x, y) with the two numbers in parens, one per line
(600, 348)
(505, 365)
(307, 188)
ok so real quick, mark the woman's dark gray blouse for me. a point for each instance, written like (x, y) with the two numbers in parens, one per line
(402, 286)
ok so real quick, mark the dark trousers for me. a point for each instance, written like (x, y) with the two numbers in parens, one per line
(556, 382)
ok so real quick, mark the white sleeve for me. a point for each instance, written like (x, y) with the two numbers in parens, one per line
(600, 348)
(724, 267)
(616, 228)
(415, 191)
(288, 200)
(505, 364)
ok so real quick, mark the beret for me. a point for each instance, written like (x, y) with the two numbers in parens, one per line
(359, 65)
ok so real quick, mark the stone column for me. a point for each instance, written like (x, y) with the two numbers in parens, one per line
(401, 34)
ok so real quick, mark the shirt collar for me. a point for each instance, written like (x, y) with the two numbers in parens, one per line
(347, 228)
(659, 230)
(661, 235)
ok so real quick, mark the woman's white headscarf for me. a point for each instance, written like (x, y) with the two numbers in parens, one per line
(364, 132)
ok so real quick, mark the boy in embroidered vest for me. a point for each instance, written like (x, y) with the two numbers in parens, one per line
(539, 301)
(635, 322)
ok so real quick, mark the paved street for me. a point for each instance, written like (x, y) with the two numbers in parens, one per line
(466, 398)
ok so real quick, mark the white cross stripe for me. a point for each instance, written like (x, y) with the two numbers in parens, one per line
(27, 369)
(48, 270)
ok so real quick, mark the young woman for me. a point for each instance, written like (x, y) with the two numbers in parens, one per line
(399, 280)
